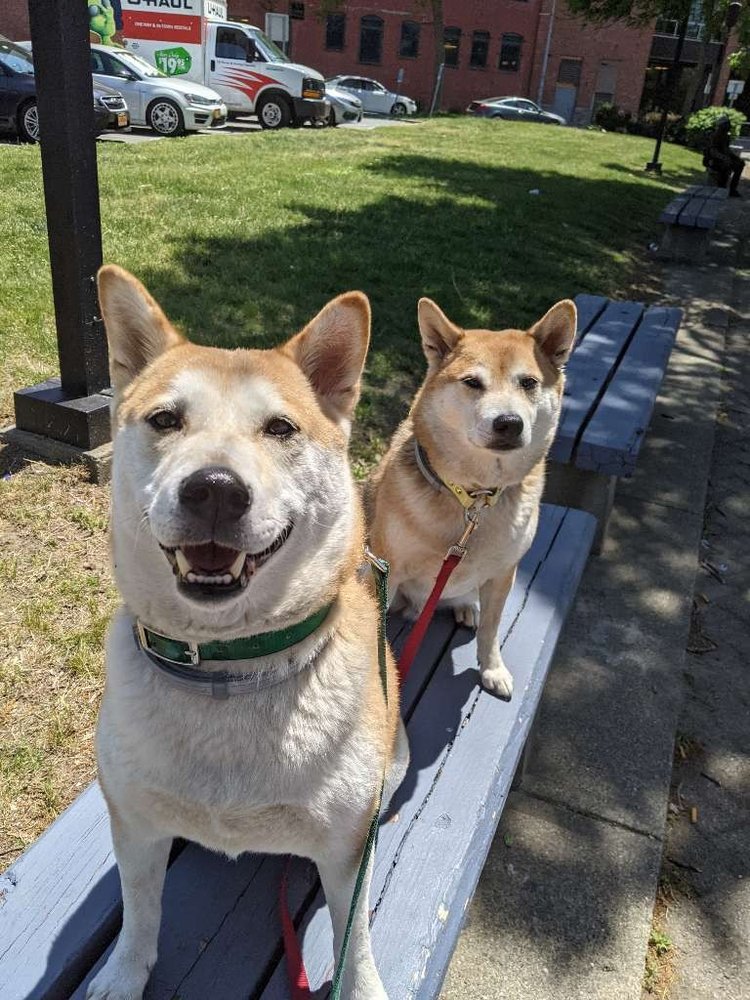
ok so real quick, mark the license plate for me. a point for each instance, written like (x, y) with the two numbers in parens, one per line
(122, 120)
(217, 113)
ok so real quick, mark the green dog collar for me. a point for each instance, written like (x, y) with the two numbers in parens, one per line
(178, 659)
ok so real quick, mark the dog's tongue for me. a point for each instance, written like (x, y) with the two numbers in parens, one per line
(209, 557)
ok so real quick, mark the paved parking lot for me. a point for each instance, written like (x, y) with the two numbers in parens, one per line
(240, 126)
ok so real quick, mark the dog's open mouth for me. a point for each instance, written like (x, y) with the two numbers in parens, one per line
(212, 570)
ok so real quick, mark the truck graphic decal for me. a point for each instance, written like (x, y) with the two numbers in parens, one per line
(246, 80)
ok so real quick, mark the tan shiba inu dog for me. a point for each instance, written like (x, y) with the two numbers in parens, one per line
(478, 432)
(247, 713)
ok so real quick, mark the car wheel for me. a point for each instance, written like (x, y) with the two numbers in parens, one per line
(165, 117)
(28, 122)
(332, 118)
(398, 109)
(273, 112)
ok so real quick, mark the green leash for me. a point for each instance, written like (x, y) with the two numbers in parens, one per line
(380, 574)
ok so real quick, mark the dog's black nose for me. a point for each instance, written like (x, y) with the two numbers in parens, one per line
(215, 494)
(507, 428)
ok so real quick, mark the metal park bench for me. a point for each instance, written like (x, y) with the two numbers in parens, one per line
(613, 378)
(221, 940)
(688, 222)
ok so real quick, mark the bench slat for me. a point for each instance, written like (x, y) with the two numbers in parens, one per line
(691, 211)
(671, 213)
(589, 309)
(612, 438)
(709, 214)
(59, 904)
(588, 370)
(416, 925)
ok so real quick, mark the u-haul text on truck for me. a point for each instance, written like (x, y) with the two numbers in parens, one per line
(193, 39)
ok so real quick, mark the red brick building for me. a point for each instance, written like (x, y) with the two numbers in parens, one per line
(492, 48)
(14, 19)
(529, 48)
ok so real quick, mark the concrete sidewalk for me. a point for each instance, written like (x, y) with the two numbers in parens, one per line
(565, 905)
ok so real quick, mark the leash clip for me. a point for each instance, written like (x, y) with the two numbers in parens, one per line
(381, 565)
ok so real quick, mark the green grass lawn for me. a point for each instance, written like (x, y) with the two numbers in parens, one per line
(242, 238)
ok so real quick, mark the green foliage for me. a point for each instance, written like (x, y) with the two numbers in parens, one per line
(611, 118)
(648, 125)
(701, 124)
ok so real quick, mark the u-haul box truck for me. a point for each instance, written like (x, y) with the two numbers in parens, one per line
(194, 40)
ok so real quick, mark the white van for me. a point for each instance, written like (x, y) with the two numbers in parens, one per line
(193, 39)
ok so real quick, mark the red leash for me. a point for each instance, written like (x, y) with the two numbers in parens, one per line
(420, 625)
(299, 985)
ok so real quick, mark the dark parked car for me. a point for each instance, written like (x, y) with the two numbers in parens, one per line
(518, 109)
(18, 110)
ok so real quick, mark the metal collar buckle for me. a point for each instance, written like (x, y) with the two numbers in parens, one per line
(192, 652)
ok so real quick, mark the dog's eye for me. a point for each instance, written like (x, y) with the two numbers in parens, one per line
(528, 382)
(164, 420)
(472, 382)
(280, 427)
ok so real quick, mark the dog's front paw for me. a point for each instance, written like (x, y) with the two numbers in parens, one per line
(467, 614)
(119, 980)
(496, 678)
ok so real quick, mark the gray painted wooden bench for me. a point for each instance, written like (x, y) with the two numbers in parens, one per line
(688, 221)
(612, 381)
(220, 940)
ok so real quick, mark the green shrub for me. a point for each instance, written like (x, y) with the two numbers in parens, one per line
(611, 118)
(701, 124)
(648, 125)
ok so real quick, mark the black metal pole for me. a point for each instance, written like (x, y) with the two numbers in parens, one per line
(655, 166)
(71, 409)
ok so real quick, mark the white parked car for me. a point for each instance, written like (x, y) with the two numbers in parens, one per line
(375, 98)
(345, 107)
(167, 105)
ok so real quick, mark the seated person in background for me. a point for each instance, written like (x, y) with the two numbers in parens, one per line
(720, 159)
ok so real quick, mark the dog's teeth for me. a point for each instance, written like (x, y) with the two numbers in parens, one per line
(182, 563)
(191, 577)
(227, 578)
(236, 568)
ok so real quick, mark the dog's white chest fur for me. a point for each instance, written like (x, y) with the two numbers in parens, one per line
(254, 772)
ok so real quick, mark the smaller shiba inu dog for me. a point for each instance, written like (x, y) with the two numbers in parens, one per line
(243, 708)
(476, 439)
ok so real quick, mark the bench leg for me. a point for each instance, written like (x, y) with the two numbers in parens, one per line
(143, 865)
(685, 244)
(590, 491)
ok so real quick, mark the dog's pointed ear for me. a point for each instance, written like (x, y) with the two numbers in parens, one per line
(137, 329)
(331, 351)
(439, 335)
(556, 331)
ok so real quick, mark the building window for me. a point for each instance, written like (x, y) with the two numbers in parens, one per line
(451, 44)
(569, 72)
(409, 40)
(297, 11)
(480, 44)
(335, 31)
(510, 52)
(370, 39)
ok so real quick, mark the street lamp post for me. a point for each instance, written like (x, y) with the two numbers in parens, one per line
(654, 166)
(72, 411)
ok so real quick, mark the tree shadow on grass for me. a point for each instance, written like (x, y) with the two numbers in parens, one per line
(474, 238)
